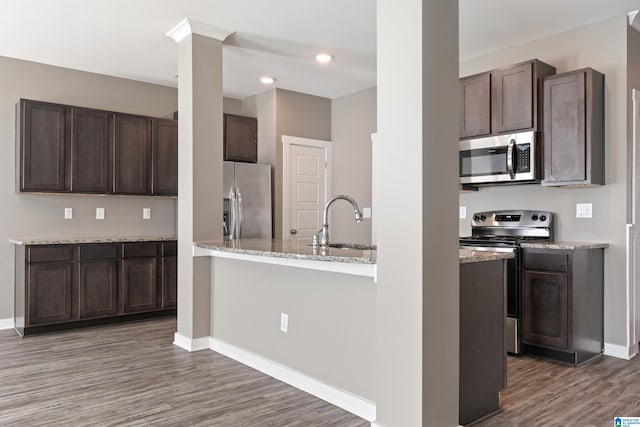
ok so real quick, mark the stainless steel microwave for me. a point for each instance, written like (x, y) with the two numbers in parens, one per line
(512, 158)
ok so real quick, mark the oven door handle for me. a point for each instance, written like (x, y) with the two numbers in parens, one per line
(510, 167)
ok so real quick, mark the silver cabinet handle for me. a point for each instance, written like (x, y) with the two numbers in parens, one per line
(293, 231)
(510, 169)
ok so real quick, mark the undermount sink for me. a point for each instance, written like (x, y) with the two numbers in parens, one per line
(356, 246)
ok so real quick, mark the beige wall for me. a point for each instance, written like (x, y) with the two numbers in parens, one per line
(353, 120)
(331, 333)
(602, 46)
(35, 215)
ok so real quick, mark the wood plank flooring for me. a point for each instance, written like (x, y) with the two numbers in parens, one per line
(542, 393)
(132, 375)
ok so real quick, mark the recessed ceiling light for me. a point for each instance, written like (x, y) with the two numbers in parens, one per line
(323, 58)
(267, 80)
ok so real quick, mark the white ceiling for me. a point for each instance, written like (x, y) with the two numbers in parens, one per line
(126, 38)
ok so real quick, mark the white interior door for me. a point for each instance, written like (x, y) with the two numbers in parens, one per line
(306, 182)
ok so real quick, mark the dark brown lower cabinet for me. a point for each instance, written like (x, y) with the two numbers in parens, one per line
(483, 352)
(139, 284)
(67, 286)
(562, 303)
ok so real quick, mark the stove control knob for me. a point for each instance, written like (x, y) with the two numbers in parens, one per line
(483, 218)
(543, 217)
(476, 218)
(534, 217)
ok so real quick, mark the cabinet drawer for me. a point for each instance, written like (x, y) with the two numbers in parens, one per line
(170, 249)
(98, 251)
(50, 253)
(545, 260)
(140, 249)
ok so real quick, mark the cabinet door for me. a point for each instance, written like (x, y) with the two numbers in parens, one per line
(50, 290)
(132, 144)
(98, 289)
(164, 157)
(169, 282)
(545, 310)
(139, 284)
(512, 98)
(44, 146)
(90, 151)
(240, 138)
(475, 105)
(564, 129)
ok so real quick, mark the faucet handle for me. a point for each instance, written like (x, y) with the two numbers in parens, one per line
(315, 240)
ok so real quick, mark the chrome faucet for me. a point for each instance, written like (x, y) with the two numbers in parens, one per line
(321, 238)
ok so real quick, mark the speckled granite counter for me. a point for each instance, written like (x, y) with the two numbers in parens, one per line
(85, 240)
(564, 245)
(469, 255)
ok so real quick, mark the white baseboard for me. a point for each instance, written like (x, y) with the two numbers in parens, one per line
(620, 351)
(340, 398)
(190, 344)
(6, 324)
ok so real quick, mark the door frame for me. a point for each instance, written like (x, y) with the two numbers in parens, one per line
(287, 142)
(633, 264)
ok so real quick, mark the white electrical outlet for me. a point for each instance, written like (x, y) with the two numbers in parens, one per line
(146, 213)
(99, 213)
(284, 322)
(463, 212)
(584, 210)
(68, 213)
(366, 212)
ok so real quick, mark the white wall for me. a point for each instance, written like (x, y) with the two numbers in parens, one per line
(353, 120)
(40, 216)
(601, 46)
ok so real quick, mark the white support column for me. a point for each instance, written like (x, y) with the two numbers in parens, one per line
(199, 172)
(416, 196)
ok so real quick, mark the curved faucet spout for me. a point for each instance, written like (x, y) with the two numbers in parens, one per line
(324, 232)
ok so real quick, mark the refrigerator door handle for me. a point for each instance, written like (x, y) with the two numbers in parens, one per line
(239, 234)
(232, 213)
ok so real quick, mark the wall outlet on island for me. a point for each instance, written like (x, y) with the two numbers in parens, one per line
(146, 213)
(584, 210)
(284, 322)
(68, 213)
(463, 212)
(99, 213)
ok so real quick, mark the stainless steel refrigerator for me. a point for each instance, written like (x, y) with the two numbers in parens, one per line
(247, 200)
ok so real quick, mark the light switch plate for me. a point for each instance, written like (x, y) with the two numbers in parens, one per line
(99, 213)
(68, 213)
(463, 212)
(146, 213)
(366, 212)
(284, 322)
(584, 210)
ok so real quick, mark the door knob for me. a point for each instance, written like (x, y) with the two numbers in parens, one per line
(293, 231)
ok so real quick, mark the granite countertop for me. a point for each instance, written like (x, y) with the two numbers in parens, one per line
(469, 255)
(564, 245)
(84, 240)
(292, 249)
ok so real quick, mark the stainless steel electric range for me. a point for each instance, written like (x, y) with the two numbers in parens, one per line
(503, 231)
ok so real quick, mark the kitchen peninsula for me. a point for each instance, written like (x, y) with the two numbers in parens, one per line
(326, 343)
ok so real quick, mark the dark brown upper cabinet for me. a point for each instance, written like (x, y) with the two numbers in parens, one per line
(503, 100)
(475, 105)
(44, 146)
(240, 138)
(574, 128)
(132, 154)
(65, 149)
(90, 157)
(164, 157)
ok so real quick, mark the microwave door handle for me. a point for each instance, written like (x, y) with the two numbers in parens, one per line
(510, 169)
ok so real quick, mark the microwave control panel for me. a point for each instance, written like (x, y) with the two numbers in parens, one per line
(523, 157)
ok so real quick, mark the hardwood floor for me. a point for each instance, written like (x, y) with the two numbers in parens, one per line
(541, 393)
(132, 375)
